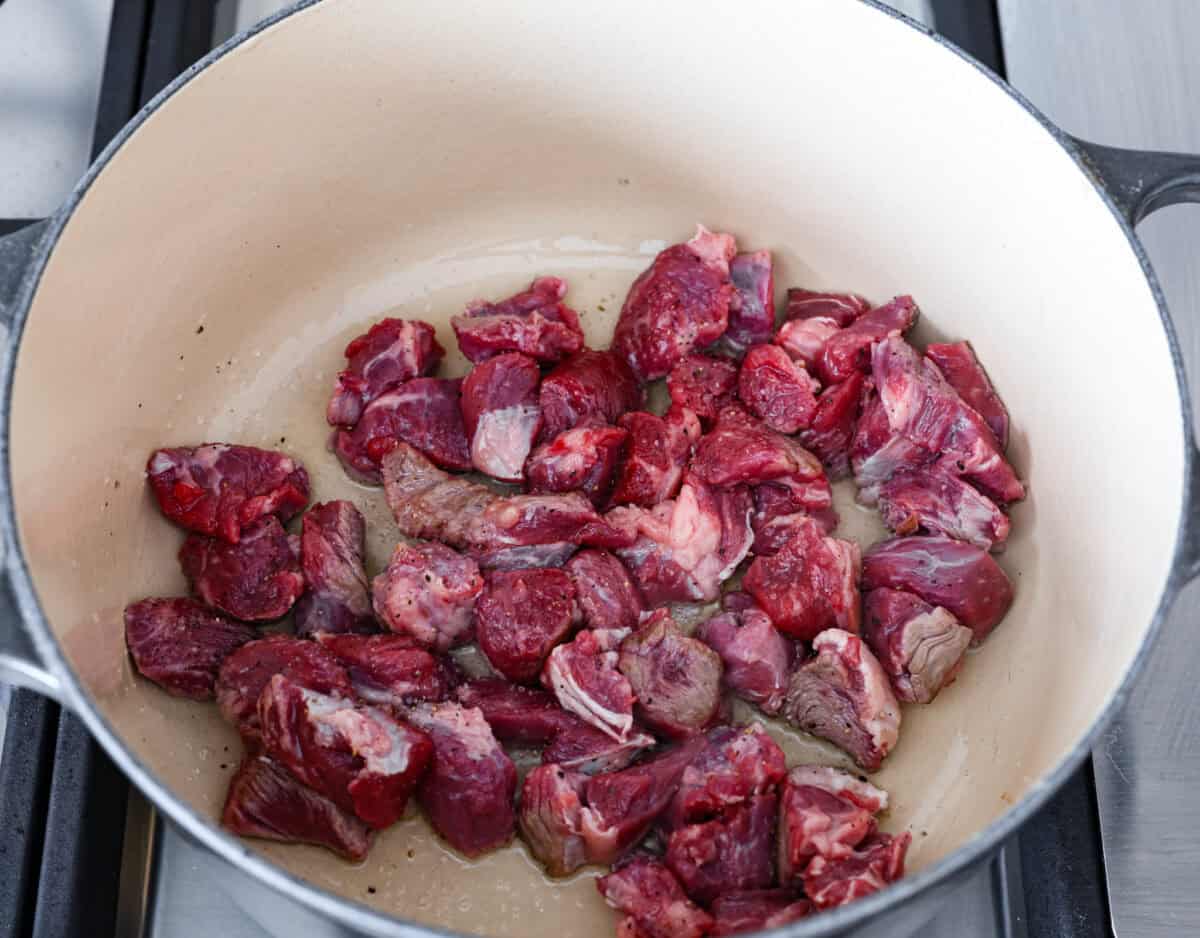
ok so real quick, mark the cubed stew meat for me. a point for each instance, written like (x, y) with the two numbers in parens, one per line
(389, 353)
(333, 561)
(501, 414)
(535, 322)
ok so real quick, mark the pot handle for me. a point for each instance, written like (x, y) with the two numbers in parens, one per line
(20, 662)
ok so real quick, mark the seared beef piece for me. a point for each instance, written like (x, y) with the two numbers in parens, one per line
(842, 308)
(842, 694)
(391, 670)
(752, 306)
(943, 572)
(219, 489)
(257, 579)
(924, 409)
(358, 756)
(963, 372)
(703, 385)
(680, 303)
(391, 352)
(550, 818)
(810, 585)
(832, 429)
(849, 349)
(804, 339)
(932, 499)
(879, 860)
(676, 679)
(501, 414)
(777, 390)
(730, 853)
(333, 560)
(656, 451)
(736, 764)
(588, 387)
(851, 788)
(179, 644)
(520, 616)
(782, 512)
(584, 678)
(583, 460)
(756, 656)
(265, 800)
(921, 647)
(653, 901)
(468, 793)
(816, 821)
(424, 412)
(877, 452)
(428, 592)
(580, 747)
(535, 322)
(429, 503)
(245, 673)
(608, 597)
(757, 910)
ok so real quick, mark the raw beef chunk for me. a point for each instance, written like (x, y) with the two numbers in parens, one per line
(810, 585)
(333, 560)
(781, 512)
(608, 597)
(804, 340)
(219, 489)
(179, 644)
(963, 579)
(921, 647)
(757, 910)
(584, 678)
(676, 679)
(589, 386)
(650, 896)
(934, 500)
(391, 352)
(730, 853)
(424, 412)
(535, 322)
(842, 308)
(468, 793)
(516, 714)
(501, 414)
(849, 349)
(245, 673)
(358, 756)
(256, 579)
(550, 818)
(582, 460)
(391, 670)
(703, 385)
(265, 800)
(962, 371)
(656, 452)
(520, 616)
(842, 694)
(848, 787)
(735, 765)
(757, 658)
(879, 860)
(777, 390)
(680, 303)
(814, 821)
(752, 306)
(583, 748)
(832, 429)
(877, 453)
(428, 592)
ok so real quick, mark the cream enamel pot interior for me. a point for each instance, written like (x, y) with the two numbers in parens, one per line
(361, 157)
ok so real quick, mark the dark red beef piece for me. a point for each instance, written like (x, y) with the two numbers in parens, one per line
(582, 460)
(829, 435)
(926, 411)
(516, 714)
(391, 352)
(535, 322)
(650, 895)
(519, 618)
(810, 585)
(963, 372)
(583, 748)
(757, 910)
(943, 572)
(179, 644)
(740, 449)
(551, 818)
(265, 800)
(423, 412)
(391, 670)
(756, 657)
(676, 679)
(588, 387)
(257, 579)
(608, 597)
(359, 757)
(680, 303)
(501, 414)
(428, 593)
(736, 764)
(703, 385)
(777, 390)
(584, 678)
(781, 511)
(814, 821)
(468, 793)
(842, 694)
(878, 861)
(933, 500)
(804, 340)
(843, 308)
(333, 559)
(752, 306)
(921, 647)
(852, 788)
(877, 452)
(849, 350)
(657, 450)
(219, 489)
(730, 853)
(245, 673)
